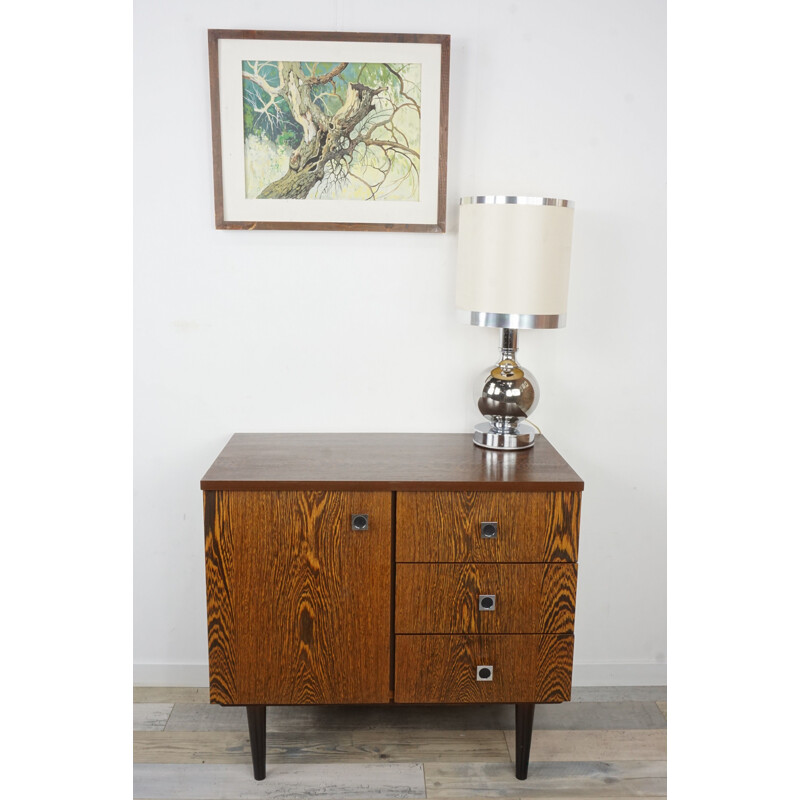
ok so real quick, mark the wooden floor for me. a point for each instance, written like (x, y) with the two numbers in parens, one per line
(607, 743)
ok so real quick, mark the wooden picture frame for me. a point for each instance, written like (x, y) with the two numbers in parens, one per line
(329, 131)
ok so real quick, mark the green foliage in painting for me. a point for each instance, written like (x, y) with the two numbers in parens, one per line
(331, 130)
(287, 137)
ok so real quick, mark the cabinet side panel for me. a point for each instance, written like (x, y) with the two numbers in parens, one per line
(313, 597)
(563, 523)
(219, 587)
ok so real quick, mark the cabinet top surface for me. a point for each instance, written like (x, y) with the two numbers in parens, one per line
(384, 461)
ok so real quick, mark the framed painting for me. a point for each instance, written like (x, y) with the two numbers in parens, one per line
(329, 131)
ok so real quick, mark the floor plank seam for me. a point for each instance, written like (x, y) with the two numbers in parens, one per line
(169, 717)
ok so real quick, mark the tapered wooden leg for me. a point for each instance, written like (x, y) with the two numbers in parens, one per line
(524, 733)
(257, 722)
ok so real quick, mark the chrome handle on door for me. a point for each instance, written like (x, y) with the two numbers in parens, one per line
(359, 522)
(488, 530)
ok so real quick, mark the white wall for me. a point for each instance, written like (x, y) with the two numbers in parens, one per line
(556, 97)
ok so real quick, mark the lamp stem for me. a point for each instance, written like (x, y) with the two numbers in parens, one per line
(509, 345)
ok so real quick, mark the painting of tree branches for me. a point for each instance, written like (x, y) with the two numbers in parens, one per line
(329, 131)
(339, 131)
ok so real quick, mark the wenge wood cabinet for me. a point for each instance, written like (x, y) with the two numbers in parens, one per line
(389, 568)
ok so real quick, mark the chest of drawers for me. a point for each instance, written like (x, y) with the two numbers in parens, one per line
(389, 568)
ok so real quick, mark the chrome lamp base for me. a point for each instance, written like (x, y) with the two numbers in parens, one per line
(521, 438)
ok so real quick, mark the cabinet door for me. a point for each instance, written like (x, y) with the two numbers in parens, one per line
(298, 601)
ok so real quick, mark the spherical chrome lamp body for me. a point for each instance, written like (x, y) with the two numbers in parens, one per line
(508, 394)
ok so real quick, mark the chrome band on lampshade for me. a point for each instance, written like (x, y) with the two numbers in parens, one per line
(513, 200)
(488, 319)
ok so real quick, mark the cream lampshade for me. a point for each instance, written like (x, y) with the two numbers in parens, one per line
(513, 272)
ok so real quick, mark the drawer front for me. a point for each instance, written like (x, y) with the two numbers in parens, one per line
(444, 669)
(447, 526)
(485, 598)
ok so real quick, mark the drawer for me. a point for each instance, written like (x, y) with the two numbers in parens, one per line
(446, 526)
(527, 668)
(525, 598)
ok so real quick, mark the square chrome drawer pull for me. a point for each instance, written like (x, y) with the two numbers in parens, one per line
(484, 673)
(487, 602)
(488, 530)
(359, 522)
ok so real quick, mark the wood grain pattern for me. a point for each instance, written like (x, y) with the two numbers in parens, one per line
(284, 781)
(624, 715)
(199, 717)
(446, 526)
(219, 600)
(299, 604)
(565, 780)
(629, 745)
(297, 720)
(170, 694)
(430, 744)
(572, 716)
(195, 747)
(443, 598)
(384, 461)
(151, 716)
(614, 694)
(442, 669)
(321, 746)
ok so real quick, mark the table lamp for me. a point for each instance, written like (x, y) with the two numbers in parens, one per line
(513, 272)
